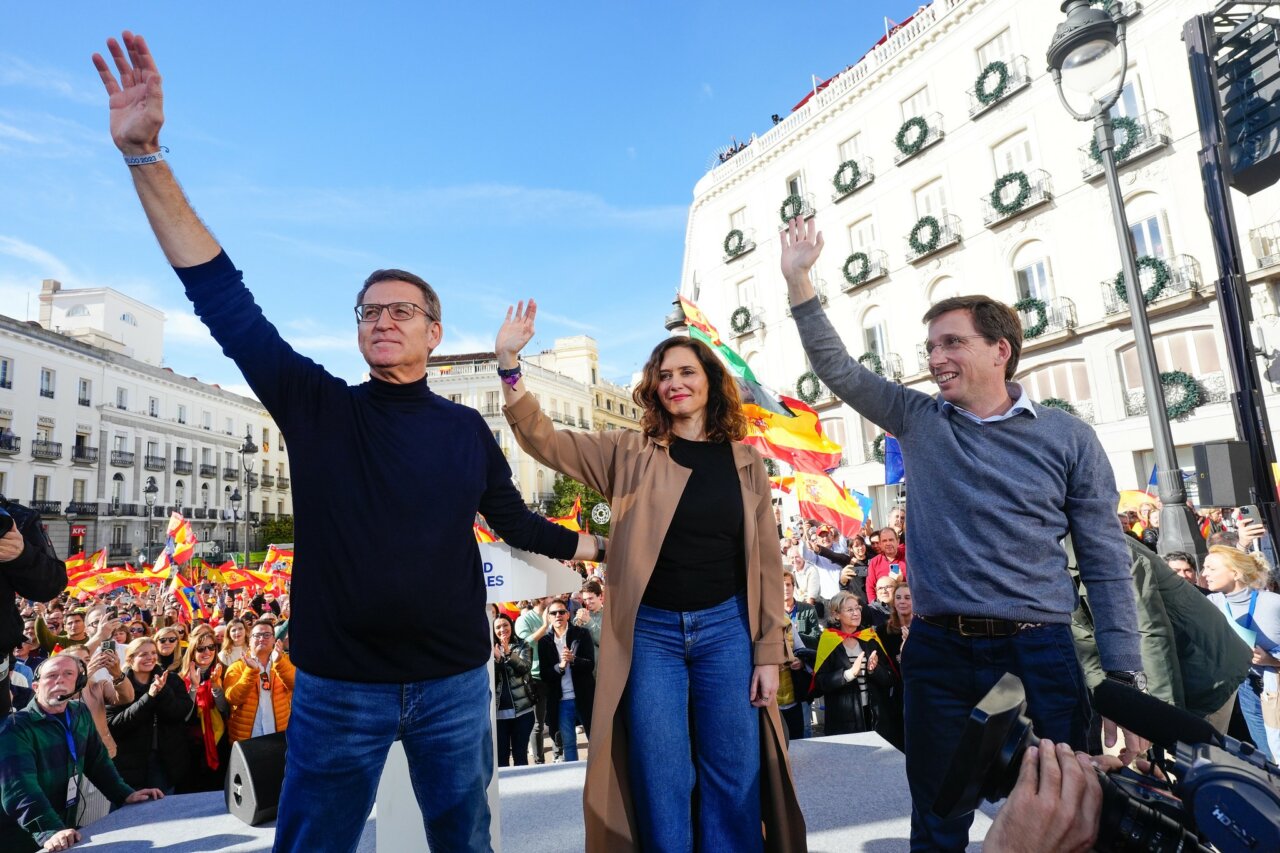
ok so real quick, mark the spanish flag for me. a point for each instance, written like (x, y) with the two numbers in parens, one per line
(570, 520)
(796, 440)
(782, 484)
(822, 498)
(100, 583)
(278, 561)
(752, 390)
(833, 637)
(483, 534)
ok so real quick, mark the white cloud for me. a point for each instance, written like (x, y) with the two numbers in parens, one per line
(707, 92)
(47, 264)
(22, 74)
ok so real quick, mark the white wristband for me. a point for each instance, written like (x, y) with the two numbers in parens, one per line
(143, 160)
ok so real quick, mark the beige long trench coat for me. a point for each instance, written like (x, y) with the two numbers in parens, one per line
(643, 486)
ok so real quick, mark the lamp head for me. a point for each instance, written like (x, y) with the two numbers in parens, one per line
(248, 448)
(1087, 58)
(235, 499)
(150, 491)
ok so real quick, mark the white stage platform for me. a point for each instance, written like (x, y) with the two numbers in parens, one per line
(851, 788)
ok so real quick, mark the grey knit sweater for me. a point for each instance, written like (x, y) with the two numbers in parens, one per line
(989, 504)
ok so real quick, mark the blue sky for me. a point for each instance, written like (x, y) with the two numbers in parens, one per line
(499, 150)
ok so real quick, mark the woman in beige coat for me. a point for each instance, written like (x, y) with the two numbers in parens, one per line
(694, 631)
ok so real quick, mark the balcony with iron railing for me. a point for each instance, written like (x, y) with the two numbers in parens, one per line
(255, 517)
(948, 235)
(1265, 242)
(1017, 197)
(82, 454)
(231, 473)
(46, 393)
(1059, 317)
(82, 508)
(491, 411)
(84, 401)
(47, 507)
(933, 134)
(846, 187)
(119, 551)
(807, 209)
(123, 509)
(208, 471)
(995, 92)
(738, 243)
(41, 449)
(1212, 385)
(282, 483)
(875, 266)
(10, 443)
(819, 289)
(183, 466)
(153, 463)
(122, 458)
(203, 512)
(1152, 129)
(583, 423)
(1184, 281)
(268, 481)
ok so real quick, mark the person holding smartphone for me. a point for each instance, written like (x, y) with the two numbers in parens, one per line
(107, 685)
(29, 567)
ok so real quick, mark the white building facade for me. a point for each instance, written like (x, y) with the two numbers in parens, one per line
(85, 428)
(922, 145)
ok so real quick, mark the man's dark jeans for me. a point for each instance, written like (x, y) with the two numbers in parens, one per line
(946, 674)
(540, 730)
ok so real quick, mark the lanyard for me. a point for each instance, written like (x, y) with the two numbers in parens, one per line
(1253, 602)
(71, 740)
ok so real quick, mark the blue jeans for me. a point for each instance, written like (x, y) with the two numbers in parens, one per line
(697, 661)
(946, 674)
(568, 715)
(1251, 710)
(339, 735)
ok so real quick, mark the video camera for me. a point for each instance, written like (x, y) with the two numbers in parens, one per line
(1223, 792)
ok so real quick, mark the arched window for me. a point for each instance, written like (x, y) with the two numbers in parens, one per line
(1148, 225)
(1194, 351)
(875, 336)
(1031, 273)
(128, 319)
(78, 311)
(1065, 380)
(117, 488)
(204, 495)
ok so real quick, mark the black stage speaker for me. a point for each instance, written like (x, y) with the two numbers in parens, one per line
(254, 778)
(1224, 473)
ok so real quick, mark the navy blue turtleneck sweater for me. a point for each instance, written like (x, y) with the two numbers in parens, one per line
(387, 480)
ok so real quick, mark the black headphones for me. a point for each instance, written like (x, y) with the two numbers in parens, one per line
(81, 680)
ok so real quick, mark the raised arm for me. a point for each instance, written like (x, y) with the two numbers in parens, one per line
(137, 113)
(801, 246)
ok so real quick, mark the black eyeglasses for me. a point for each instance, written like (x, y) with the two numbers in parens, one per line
(260, 636)
(137, 630)
(399, 311)
(948, 343)
(166, 639)
(203, 649)
(557, 612)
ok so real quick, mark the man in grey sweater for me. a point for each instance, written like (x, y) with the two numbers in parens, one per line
(986, 465)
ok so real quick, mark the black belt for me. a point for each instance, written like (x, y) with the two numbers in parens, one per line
(978, 626)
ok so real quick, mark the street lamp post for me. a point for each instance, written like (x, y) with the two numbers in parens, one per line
(72, 516)
(1087, 59)
(247, 451)
(149, 498)
(235, 517)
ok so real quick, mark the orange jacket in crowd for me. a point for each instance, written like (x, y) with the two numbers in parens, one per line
(241, 684)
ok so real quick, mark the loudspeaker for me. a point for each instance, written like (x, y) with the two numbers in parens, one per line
(1224, 473)
(254, 778)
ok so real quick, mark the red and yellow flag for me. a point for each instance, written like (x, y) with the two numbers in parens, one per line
(483, 534)
(278, 561)
(100, 583)
(798, 440)
(822, 498)
(571, 519)
(783, 484)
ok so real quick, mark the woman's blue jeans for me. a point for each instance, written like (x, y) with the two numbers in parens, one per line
(693, 736)
(339, 735)
(1251, 710)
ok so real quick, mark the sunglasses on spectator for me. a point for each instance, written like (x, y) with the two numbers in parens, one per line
(203, 649)
(558, 612)
(137, 629)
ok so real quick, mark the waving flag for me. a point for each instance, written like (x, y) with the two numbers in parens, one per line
(278, 561)
(570, 519)
(783, 484)
(101, 583)
(753, 392)
(894, 468)
(796, 439)
(483, 534)
(823, 499)
(182, 537)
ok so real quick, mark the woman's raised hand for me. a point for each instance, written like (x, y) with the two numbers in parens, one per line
(516, 331)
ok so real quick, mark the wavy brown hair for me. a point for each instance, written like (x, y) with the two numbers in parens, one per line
(725, 420)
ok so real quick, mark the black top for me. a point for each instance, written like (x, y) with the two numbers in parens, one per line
(702, 562)
(387, 479)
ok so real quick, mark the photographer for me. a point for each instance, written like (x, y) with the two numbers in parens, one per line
(1055, 805)
(29, 567)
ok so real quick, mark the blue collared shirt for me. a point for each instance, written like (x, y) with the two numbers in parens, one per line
(1022, 403)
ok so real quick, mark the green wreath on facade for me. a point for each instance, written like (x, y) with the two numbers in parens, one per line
(1192, 393)
(808, 387)
(789, 202)
(1132, 136)
(911, 147)
(986, 96)
(877, 448)
(740, 319)
(1157, 266)
(1037, 328)
(871, 360)
(770, 467)
(1016, 203)
(1059, 403)
(735, 243)
(863, 263)
(924, 247)
(855, 174)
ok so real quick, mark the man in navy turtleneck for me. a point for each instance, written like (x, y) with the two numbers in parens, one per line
(388, 477)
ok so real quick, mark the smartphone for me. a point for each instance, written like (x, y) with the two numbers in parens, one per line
(1250, 512)
(108, 645)
(112, 612)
